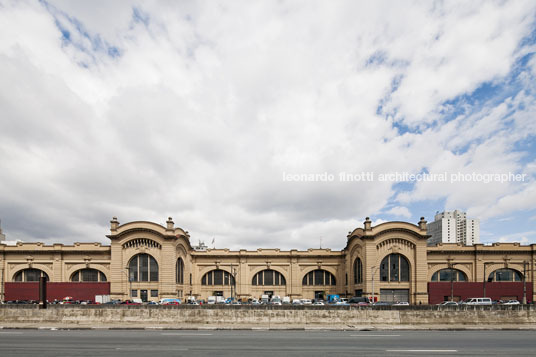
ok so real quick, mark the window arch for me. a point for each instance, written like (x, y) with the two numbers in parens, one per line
(358, 271)
(143, 267)
(319, 277)
(87, 275)
(268, 277)
(449, 275)
(217, 277)
(394, 267)
(505, 274)
(29, 275)
(180, 271)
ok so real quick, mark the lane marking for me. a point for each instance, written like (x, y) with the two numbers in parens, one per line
(185, 334)
(425, 351)
(375, 335)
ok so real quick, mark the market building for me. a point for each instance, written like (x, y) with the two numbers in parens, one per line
(390, 261)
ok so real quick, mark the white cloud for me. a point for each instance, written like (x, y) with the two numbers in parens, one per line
(210, 103)
(521, 238)
(400, 211)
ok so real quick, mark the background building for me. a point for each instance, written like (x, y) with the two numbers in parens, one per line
(148, 261)
(454, 227)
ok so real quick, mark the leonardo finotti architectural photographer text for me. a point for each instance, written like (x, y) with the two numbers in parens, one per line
(369, 176)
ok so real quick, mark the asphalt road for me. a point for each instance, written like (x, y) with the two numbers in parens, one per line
(265, 343)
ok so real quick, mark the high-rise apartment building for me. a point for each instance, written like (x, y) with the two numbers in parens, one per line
(454, 227)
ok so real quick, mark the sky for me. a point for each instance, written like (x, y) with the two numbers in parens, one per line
(266, 124)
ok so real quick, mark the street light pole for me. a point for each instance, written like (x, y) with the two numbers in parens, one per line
(130, 282)
(373, 271)
(128, 279)
(451, 284)
(232, 278)
(484, 281)
(524, 282)
(452, 272)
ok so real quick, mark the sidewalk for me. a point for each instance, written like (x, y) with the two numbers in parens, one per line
(132, 326)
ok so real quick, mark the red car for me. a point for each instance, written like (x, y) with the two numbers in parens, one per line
(130, 302)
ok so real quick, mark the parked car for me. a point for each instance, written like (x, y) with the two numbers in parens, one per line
(67, 300)
(318, 303)
(401, 303)
(382, 303)
(276, 300)
(358, 299)
(448, 303)
(112, 302)
(343, 303)
(297, 302)
(306, 302)
(477, 301)
(512, 302)
(129, 302)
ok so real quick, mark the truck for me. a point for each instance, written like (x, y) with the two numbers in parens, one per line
(102, 299)
(220, 300)
(333, 298)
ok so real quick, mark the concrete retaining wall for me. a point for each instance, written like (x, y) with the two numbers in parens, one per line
(265, 316)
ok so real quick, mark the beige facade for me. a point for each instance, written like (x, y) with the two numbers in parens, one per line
(144, 257)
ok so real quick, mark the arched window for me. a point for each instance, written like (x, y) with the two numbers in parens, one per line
(505, 274)
(358, 271)
(217, 277)
(449, 275)
(268, 277)
(143, 267)
(29, 275)
(394, 267)
(180, 271)
(88, 275)
(319, 277)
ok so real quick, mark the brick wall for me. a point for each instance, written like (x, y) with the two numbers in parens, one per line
(55, 291)
(495, 291)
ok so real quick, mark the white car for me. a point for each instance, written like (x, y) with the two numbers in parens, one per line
(511, 302)
(401, 303)
(306, 301)
(318, 303)
(448, 303)
(297, 302)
